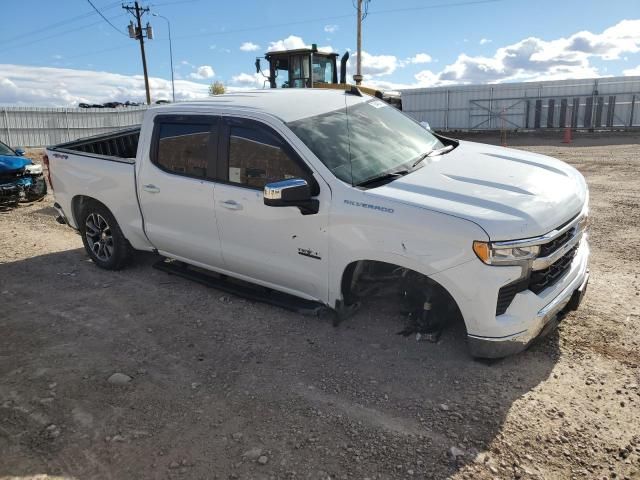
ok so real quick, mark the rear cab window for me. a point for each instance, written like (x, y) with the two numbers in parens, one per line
(186, 145)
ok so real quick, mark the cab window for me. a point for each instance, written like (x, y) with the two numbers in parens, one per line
(186, 146)
(258, 156)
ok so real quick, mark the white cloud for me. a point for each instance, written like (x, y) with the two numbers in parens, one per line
(249, 47)
(420, 58)
(246, 80)
(632, 71)
(484, 41)
(63, 87)
(533, 59)
(293, 42)
(374, 65)
(203, 72)
(331, 28)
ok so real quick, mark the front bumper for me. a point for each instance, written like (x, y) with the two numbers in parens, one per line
(9, 194)
(546, 319)
(528, 316)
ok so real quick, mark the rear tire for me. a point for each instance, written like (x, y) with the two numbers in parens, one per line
(102, 238)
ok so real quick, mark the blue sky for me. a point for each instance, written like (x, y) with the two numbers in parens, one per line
(50, 51)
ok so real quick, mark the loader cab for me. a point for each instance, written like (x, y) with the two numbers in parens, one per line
(302, 68)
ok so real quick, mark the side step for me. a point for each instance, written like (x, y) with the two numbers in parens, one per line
(240, 288)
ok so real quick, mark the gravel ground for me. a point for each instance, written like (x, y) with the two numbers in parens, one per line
(209, 385)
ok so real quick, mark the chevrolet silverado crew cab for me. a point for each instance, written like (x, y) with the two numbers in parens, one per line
(322, 194)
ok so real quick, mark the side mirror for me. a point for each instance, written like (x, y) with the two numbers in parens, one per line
(426, 125)
(19, 152)
(294, 192)
(258, 69)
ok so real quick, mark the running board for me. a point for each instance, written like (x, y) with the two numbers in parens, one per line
(241, 288)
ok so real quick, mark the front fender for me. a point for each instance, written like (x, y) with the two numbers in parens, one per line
(425, 241)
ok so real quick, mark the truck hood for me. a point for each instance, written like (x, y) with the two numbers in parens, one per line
(511, 194)
(11, 163)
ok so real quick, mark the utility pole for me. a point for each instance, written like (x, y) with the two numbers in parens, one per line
(138, 34)
(358, 76)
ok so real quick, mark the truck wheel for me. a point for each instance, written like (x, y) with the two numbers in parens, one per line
(103, 240)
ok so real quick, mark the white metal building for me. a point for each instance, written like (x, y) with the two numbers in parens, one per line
(589, 103)
(38, 127)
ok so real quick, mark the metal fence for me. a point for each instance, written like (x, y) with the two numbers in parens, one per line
(40, 127)
(600, 103)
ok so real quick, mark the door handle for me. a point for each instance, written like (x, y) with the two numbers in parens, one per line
(231, 205)
(151, 188)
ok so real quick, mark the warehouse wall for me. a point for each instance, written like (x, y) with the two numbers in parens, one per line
(592, 103)
(41, 127)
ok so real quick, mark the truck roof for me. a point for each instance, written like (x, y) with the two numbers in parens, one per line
(288, 104)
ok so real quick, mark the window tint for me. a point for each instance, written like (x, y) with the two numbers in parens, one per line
(258, 157)
(184, 148)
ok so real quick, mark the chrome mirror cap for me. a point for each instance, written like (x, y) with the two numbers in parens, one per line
(274, 190)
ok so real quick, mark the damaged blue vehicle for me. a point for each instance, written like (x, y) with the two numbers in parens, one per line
(20, 178)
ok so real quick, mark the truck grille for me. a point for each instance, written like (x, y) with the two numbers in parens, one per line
(548, 248)
(541, 279)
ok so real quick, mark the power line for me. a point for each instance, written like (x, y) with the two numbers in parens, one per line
(106, 19)
(173, 3)
(439, 5)
(66, 32)
(338, 17)
(250, 29)
(53, 26)
(96, 52)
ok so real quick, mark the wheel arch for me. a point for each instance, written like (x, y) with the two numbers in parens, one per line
(351, 270)
(80, 202)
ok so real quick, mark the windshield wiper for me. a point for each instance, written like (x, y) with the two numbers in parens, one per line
(381, 178)
(432, 153)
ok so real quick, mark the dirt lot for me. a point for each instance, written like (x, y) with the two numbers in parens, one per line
(225, 388)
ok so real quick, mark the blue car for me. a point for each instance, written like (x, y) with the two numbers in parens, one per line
(20, 178)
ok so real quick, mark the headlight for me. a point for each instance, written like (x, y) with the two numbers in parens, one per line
(33, 169)
(492, 255)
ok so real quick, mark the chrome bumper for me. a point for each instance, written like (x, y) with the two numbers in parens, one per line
(546, 319)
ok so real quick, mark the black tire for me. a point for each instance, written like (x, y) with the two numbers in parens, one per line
(102, 238)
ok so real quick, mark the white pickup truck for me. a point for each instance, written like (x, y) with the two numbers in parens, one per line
(321, 194)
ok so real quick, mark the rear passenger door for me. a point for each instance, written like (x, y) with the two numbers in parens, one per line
(278, 246)
(177, 191)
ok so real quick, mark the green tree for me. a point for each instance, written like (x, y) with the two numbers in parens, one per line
(216, 88)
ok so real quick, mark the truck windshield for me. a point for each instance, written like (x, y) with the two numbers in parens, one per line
(365, 141)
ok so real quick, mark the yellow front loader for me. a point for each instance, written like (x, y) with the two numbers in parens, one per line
(310, 68)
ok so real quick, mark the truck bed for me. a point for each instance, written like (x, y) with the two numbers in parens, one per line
(102, 168)
(120, 145)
